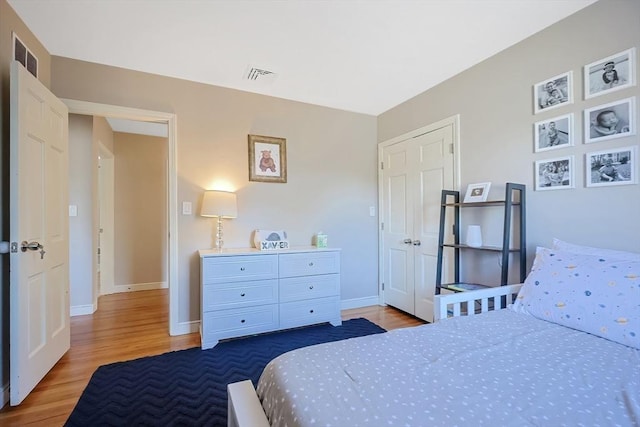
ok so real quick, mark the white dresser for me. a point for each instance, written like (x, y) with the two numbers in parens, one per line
(247, 291)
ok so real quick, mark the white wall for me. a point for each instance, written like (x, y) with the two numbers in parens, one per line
(494, 100)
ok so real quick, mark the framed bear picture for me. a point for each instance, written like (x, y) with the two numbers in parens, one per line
(267, 159)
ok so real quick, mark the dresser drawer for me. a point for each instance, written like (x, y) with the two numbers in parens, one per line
(308, 287)
(309, 263)
(217, 325)
(239, 268)
(239, 294)
(308, 312)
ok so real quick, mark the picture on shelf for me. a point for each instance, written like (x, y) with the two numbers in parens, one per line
(611, 167)
(553, 92)
(554, 133)
(477, 192)
(610, 121)
(609, 74)
(554, 174)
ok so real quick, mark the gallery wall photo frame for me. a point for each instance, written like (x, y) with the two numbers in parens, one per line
(555, 174)
(477, 192)
(267, 159)
(554, 133)
(615, 72)
(553, 92)
(611, 167)
(610, 121)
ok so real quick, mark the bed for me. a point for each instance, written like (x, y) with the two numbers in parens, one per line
(562, 349)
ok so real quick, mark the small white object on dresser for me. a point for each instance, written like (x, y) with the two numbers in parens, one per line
(248, 291)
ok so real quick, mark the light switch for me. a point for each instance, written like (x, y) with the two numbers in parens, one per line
(186, 208)
(372, 211)
(73, 210)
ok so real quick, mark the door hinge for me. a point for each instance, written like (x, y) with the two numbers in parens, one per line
(383, 286)
(451, 148)
(381, 165)
(382, 226)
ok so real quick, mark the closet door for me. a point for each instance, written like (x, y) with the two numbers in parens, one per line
(414, 171)
(398, 261)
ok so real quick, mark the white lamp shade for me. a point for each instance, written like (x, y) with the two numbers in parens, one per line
(219, 203)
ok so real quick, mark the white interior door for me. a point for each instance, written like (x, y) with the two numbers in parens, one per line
(435, 172)
(39, 278)
(416, 168)
(398, 214)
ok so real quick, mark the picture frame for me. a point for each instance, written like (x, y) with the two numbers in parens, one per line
(553, 92)
(555, 174)
(267, 159)
(615, 72)
(611, 167)
(610, 121)
(477, 192)
(554, 133)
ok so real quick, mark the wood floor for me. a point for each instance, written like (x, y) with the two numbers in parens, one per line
(127, 326)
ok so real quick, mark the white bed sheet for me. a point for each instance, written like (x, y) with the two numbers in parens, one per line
(499, 368)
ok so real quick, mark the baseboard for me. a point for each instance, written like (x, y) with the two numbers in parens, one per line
(5, 395)
(139, 287)
(81, 310)
(359, 302)
(183, 328)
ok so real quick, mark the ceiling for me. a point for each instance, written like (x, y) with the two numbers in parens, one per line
(365, 56)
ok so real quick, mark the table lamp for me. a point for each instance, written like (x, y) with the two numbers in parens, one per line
(220, 204)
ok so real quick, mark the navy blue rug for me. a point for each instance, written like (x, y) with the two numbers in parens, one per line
(189, 387)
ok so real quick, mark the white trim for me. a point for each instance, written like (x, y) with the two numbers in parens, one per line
(5, 395)
(133, 287)
(188, 327)
(359, 302)
(453, 121)
(104, 110)
(81, 310)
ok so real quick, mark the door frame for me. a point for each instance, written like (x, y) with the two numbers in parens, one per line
(115, 111)
(106, 214)
(453, 121)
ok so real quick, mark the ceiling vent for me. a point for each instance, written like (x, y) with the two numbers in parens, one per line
(259, 75)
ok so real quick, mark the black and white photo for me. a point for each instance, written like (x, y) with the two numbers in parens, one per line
(610, 121)
(553, 133)
(609, 74)
(555, 174)
(611, 167)
(477, 192)
(554, 92)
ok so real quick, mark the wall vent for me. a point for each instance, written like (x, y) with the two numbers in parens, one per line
(259, 75)
(23, 55)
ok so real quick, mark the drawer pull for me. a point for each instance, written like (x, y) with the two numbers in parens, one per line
(242, 294)
(242, 321)
(311, 287)
(241, 268)
(311, 311)
(310, 264)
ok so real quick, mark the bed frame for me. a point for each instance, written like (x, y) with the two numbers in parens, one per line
(245, 410)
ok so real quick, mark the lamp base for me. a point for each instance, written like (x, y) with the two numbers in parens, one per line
(219, 241)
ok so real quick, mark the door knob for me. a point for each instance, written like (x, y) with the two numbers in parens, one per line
(416, 243)
(407, 241)
(31, 246)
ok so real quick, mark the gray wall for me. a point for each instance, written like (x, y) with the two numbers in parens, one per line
(81, 227)
(332, 173)
(494, 100)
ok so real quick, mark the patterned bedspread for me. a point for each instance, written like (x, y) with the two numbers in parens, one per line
(499, 368)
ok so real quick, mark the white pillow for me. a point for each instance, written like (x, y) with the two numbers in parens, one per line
(588, 250)
(594, 294)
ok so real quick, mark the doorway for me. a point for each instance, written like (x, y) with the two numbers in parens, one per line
(105, 110)
(414, 168)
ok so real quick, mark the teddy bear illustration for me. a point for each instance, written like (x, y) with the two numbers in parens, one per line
(266, 162)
